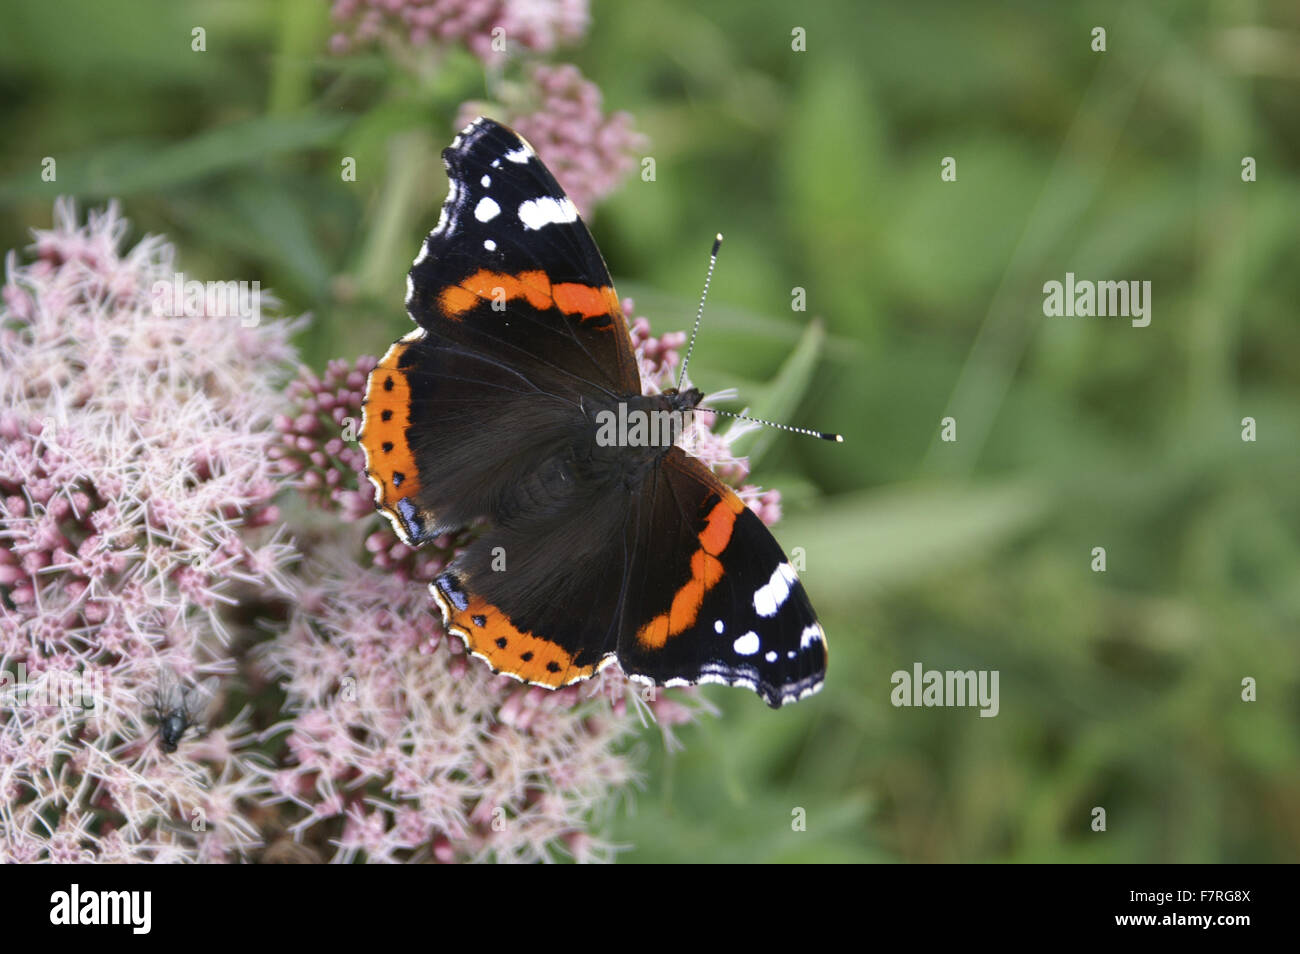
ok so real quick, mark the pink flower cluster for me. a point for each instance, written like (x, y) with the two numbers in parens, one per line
(398, 747)
(560, 113)
(535, 25)
(133, 481)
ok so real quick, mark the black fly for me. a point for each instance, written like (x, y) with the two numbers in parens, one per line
(178, 707)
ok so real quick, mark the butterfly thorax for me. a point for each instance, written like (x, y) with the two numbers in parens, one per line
(629, 434)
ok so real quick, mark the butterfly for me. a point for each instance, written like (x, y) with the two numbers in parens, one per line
(493, 411)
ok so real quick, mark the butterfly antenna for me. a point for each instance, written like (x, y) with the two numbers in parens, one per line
(681, 376)
(809, 432)
(699, 315)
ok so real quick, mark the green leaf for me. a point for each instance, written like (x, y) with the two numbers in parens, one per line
(907, 534)
(276, 223)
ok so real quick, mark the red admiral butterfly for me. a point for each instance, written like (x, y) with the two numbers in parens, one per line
(593, 550)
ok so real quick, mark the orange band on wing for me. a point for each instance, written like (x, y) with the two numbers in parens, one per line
(489, 634)
(706, 571)
(390, 465)
(572, 298)
(590, 301)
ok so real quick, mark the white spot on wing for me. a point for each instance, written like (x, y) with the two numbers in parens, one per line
(522, 154)
(485, 181)
(771, 656)
(490, 245)
(810, 635)
(769, 597)
(487, 209)
(548, 210)
(746, 645)
(719, 626)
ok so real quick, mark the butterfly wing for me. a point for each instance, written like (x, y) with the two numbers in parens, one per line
(518, 320)
(683, 584)
(508, 231)
(712, 595)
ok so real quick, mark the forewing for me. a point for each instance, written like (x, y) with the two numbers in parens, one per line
(509, 235)
(519, 324)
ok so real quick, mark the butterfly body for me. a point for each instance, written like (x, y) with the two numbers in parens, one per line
(517, 405)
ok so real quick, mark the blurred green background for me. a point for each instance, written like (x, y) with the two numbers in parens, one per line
(1119, 689)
